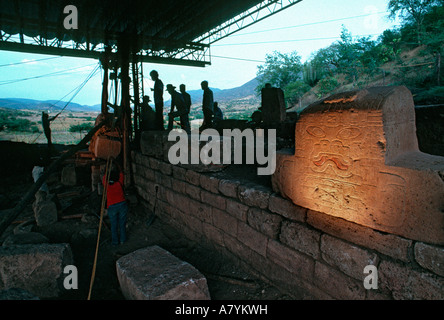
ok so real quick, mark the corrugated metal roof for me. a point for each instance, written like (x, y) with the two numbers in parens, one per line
(157, 25)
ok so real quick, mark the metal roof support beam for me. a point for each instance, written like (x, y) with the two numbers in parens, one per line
(259, 12)
(77, 50)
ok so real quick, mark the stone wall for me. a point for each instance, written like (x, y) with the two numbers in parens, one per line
(310, 255)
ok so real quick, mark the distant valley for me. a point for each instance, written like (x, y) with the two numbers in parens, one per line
(222, 96)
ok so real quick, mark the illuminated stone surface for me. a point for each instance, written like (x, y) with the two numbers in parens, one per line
(153, 273)
(356, 157)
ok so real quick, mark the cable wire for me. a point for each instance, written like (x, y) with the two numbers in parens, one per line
(5, 82)
(28, 61)
(309, 24)
(290, 40)
(239, 59)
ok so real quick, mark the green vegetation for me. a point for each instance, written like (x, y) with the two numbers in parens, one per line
(81, 127)
(13, 121)
(410, 55)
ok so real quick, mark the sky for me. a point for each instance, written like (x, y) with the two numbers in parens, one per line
(305, 27)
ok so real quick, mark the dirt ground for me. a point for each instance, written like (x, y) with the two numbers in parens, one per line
(78, 225)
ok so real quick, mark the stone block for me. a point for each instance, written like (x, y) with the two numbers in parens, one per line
(178, 172)
(286, 208)
(430, 257)
(297, 263)
(252, 238)
(237, 209)
(273, 105)
(193, 191)
(215, 235)
(408, 284)
(228, 187)
(388, 244)
(192, 177)
(179, 185)
(154, 163)
(25, 238)
(45, 213)
(17, 294)
(254, 195)
(153, 273)
(348, 258)
(357, 158)
(209, 183)
(197, 209)
(151, 143)
(337, 284)
(148, 173)
(264, 222)
(214, 200)
(225, 222)
(301, 238)
(69, 176)
(166, 168)
(35, 268)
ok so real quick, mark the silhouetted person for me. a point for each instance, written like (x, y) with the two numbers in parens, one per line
(178, 102)
(158, 99)
(207, 105)
(186, 97)
(46, 122)
(147, 115)
(218, 115)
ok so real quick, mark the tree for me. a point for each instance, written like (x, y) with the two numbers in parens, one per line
(280, 70)
(327, 86)
(434, 37)
(348, 56)
(283, 71)
(295, 90)
(328, 59)
(414, 11)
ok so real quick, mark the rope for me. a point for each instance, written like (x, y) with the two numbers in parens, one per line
(79, 88)
(102, 209)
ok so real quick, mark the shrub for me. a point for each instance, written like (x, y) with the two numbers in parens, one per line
(81, 127)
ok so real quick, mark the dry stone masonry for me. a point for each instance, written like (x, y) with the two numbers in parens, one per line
(316, 243)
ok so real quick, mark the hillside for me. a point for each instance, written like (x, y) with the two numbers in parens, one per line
(411, 69)
(222, 96)
(48, 105)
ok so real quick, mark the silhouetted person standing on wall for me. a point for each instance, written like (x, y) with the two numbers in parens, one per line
(46, 122)
(186, 97)
(158, 99)
(218, 114)
(207, 105)
(147, 115)
(182, 112)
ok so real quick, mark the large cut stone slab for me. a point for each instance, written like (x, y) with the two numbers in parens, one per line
(35, 268)
(17, 294)
(153, 273)
(357, 158)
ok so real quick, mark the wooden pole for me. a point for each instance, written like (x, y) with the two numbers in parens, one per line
(105, 62)
(136, 81)
(124, 61)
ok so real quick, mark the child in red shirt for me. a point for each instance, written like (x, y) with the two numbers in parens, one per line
(117, 206)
